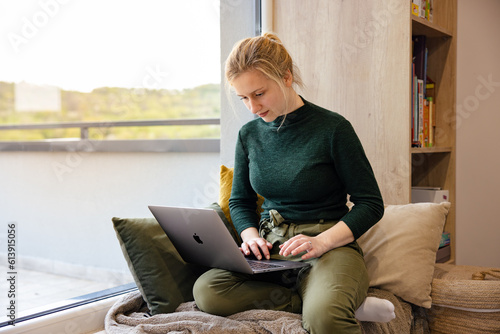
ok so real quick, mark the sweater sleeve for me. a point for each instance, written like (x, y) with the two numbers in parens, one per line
(359, 180)
(243, 200)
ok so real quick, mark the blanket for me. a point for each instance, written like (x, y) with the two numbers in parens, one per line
(130, 315)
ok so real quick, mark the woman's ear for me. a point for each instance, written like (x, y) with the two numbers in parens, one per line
(288, 78)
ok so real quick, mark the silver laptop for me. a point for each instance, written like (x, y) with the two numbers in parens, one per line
(201, 237)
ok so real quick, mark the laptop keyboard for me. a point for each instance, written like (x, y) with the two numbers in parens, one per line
(263, 265)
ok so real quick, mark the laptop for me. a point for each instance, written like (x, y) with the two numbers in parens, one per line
(201, 237)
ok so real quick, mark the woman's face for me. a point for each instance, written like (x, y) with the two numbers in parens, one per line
(261, 95)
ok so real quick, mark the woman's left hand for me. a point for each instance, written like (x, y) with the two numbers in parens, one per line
(336, 236)
(312, 246)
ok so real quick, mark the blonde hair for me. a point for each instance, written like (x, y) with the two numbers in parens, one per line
(264, 53)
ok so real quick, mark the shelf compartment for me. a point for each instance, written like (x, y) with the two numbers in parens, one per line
(421, 26)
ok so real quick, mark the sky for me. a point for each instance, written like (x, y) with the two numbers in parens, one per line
(86, 44)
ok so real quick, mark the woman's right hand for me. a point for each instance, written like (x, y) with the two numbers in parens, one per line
(254, 244)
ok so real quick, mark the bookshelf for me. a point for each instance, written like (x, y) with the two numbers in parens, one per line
(435, 166)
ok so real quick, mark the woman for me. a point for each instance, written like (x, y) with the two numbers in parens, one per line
(304, 160)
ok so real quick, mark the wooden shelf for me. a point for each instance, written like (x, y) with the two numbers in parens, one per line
(424, 150)
(423, 27)
(435, 166)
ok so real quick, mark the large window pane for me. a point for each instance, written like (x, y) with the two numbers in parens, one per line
(97, 61)
(88, 61)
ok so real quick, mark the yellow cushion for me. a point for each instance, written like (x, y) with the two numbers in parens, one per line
(226, 183)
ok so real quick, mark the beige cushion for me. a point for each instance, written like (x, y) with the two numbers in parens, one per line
(400, 250)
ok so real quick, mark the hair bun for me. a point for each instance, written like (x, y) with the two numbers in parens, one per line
(272, 37)
(265, 53)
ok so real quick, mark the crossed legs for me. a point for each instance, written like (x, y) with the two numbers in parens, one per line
(328, 295)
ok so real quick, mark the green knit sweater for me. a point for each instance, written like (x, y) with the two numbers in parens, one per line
(304, 169)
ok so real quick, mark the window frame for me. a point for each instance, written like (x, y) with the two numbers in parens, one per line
(84, 144)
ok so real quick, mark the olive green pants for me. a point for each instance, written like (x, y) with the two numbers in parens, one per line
(327, 294)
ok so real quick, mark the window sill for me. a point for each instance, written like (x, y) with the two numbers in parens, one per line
(85, 145)
(83, 314)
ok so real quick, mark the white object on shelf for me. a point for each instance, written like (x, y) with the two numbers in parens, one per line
(429, 194)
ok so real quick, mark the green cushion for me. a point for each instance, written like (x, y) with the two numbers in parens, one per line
(163, 278)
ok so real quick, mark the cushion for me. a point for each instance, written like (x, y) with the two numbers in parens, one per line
(400, 250)
(163, 278)
(226, 183)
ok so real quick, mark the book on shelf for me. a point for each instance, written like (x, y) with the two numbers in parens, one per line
(415, 7)
(430, 88)
(445, 239)
(414, 113)
(425, 126)
(423, 117)
(423, 111)
(414, 107)
(443, 254)
(430, 10)
(432, 121)
(444, 251)
(419, 46)
(422, 8)
(421, 100)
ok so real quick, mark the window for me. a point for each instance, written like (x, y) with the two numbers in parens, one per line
(81, 62)
(104, 67)
(58, 195)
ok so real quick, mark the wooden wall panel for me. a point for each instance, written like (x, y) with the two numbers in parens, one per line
(354, 58)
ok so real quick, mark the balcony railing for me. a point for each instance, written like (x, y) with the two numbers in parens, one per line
(86, 144)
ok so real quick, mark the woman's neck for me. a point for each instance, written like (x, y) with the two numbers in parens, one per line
(294, 101)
